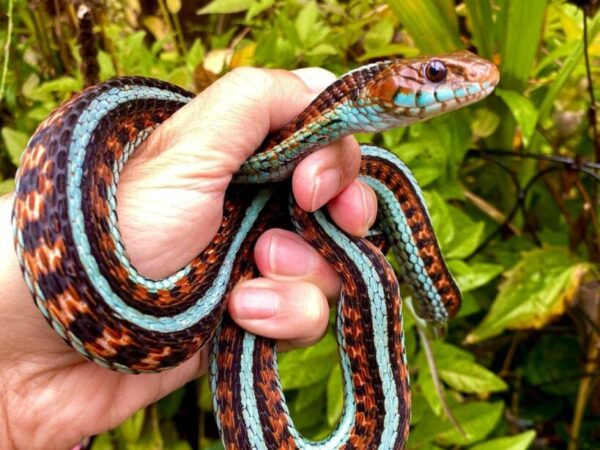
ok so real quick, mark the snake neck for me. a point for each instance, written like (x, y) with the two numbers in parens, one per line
(345, 107)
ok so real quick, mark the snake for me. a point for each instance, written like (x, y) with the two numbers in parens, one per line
(73, 260)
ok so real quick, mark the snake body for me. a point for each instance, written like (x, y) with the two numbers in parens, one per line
(74, 263)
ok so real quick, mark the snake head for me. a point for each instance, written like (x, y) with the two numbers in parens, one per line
(410, 90)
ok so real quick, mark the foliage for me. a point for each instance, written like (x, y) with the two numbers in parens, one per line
(519, 364)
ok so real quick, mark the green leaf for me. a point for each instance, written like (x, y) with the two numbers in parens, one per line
(62, 86)
(470, 377)
(195, 55)
(485, 122)
(535, 291)
(480, 17)
(225, 7)
(519, 33)
(15, 142)
(303, 367)
(307, 17)
(517, 442)
(131, 429)
(472, 276)
(335, 396)
(103, 442)
(257, 7)
(566, 69)
(7, 186)
(477, 419)
(432, 24)
(524, 112)
(379, 35)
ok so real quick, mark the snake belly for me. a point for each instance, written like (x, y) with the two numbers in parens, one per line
(74, 263)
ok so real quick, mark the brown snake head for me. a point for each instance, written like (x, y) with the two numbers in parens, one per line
(423, 87)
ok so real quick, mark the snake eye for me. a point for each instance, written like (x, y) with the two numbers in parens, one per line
(436, 71)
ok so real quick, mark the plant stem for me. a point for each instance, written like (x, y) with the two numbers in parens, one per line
(9, 30)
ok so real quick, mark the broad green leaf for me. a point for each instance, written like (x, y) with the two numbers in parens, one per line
(517, 442)
(524, 112)
(520, 30)
(306, 20)
(432, 24)
(15, 142)
(480, 17)
(7, 186)
(335, 396)
(131, 429)
(308, 406)
(103, 442)
(470, 377)
(225, 7)
(535, 291)
(474, 275)
(303, 367)
(477, 419)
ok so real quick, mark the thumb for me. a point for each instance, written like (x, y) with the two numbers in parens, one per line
(215, 133)
(170, 196)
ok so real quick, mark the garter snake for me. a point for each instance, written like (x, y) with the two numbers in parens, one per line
(74, 263)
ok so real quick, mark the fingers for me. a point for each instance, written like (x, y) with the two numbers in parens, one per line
(215, 133)
(295, 313)
(284, 256)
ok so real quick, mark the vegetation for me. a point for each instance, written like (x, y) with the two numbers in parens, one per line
(512, 184)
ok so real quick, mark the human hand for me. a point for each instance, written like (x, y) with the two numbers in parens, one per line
(51, 397)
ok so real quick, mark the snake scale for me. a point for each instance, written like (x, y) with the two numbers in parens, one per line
(74, 263)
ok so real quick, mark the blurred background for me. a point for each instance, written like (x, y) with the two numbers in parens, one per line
(512, 185)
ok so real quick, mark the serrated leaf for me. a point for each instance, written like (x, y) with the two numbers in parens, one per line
(303, 367)
(15, 142)
(225, 7)
(518, 442)
(535, 291)
(470, 377)
(522, 109)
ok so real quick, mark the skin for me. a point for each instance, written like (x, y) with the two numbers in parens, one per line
(170, 204)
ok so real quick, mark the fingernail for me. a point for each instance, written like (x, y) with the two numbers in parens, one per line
(315, 78)
(326, 185)
(255, 303)
(288, 257)
(369, 205)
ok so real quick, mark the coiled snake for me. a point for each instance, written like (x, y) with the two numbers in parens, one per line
(73, 261)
